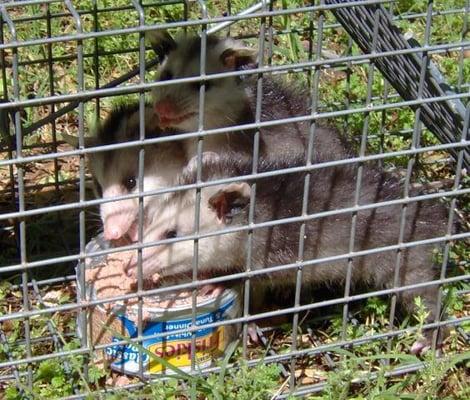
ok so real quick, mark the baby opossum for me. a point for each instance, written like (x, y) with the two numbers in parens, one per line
(231, 100)
(281, 197)
(115, 172)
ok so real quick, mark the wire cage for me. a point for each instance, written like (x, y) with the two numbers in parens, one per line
(66, 64)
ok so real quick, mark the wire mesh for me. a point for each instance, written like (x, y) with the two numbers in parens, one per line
(402, 105)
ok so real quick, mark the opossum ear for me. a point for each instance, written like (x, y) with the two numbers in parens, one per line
(129, 129)
(235, 58)
(208, 158)
(72, 140)
(230, 200)
(161, 41)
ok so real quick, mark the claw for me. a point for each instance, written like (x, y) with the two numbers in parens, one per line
(211, 290)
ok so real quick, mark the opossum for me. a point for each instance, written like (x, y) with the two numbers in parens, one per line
(232, 100)
(115, 172)
(280, 197)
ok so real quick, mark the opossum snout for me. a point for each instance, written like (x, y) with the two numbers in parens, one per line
(166, 108)
(118, 224)
(170, 114)
(113, 232)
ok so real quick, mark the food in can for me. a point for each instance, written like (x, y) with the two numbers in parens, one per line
(168, 313)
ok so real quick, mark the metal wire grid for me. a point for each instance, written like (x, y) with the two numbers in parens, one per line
(411, 76)
(319, 348)
(262, 11)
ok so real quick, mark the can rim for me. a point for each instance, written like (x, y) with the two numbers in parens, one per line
(207, 305)
(227, 294)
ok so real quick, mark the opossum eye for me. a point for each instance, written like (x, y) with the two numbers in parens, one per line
(166, 75)
(171, 234)
(130, 183)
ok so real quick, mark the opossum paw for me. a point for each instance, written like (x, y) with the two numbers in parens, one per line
(420, 347)
(118, 381)
(253, 334)
(130, 271)
(212, 290)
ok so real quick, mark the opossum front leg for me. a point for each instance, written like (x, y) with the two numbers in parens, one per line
(424, 343)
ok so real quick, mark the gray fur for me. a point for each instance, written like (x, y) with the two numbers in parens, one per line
(111, 169)
(281, 197)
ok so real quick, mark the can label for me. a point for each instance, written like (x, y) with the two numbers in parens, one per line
(174, 348)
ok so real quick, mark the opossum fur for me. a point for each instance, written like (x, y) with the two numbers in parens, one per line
(280, 197)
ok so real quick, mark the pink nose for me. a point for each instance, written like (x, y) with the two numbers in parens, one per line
(112, 233)
(165, 108)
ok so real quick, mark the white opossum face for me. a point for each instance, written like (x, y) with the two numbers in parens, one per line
(221, 206)
(224, 100)
(116, 174)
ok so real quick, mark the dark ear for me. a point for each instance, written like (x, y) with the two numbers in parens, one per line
(162, 42)
(130, 125)
(235, 58)
(230, 200)
(208, 158)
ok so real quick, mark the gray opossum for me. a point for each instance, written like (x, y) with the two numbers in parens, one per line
(115, 172)
(281, 197)
(231, 100)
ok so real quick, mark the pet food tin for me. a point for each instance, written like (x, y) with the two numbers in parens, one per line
(170, 314)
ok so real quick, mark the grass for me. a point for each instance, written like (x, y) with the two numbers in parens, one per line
(361, 371)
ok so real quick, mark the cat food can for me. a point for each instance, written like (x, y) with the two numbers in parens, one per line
(167, 313)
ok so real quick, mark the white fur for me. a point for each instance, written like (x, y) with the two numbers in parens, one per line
(161, 167)
(224, 100)
(178, 213)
